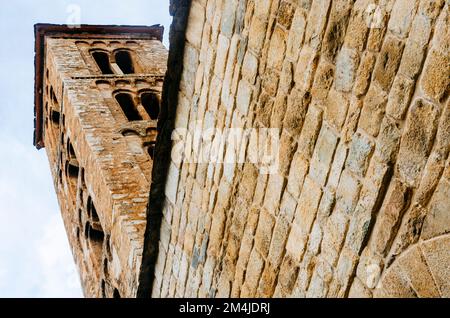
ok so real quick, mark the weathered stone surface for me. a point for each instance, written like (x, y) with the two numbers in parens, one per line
(195, 24)
(388, 221)
(437, 221)
(373, 110)
(346, 66)
(336, 108)
(388, 62)
(437, 257)
(307, 207)
(364, 73)
(402, 16)
(297, 106)
(388, 141)
(264, 232)
(323, 154)
(357, 91)
(359, 154)
(417, 140)
(436, 79)
(399, 97)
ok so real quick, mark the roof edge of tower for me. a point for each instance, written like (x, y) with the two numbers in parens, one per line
(41, 30)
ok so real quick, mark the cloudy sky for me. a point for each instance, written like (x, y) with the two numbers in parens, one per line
(35, 259)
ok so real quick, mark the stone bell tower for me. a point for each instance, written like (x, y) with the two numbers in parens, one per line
(97, 100)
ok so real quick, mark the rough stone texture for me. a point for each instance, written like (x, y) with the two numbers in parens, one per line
(360, 200)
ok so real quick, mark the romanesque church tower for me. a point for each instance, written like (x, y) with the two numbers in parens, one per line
(98, 92)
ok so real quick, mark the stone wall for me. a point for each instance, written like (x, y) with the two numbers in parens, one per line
(360, 203)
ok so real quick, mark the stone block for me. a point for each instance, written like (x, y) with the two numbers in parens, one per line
(277, 48)
(297, 173)
(437, 221)
(323, 154)
(417, 139)
(400, 97)
(388, 62)
(310, 132)
(401, 18)
(336, 108)
(195, 24)
(364, 73)
(436, 75)
(264, 232)
(278, 243)
(373, 110)
(307, 207)
(359, 155)
(346, 66)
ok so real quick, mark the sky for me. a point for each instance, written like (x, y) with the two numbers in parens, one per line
(35, 258)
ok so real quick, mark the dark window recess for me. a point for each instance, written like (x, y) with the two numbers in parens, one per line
(151, 104)
(71, 151)
(93, 234)
(94, 213)
(151, 151)
(102, 60)
(54, 115)
(103, 288)
(125, 62)
(126, 102)
(89, 204)
(72, 169)
(53, 96)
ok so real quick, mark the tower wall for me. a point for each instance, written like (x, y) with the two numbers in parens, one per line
(100, 159)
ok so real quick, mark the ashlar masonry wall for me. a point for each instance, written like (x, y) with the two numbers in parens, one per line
(360, 204)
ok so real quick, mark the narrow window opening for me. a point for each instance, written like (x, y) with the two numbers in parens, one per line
(125, 62)
(151, 104)
(103, 288)
(94, 235)
(105, 267)
(54, 115)
(72, 169)
(126, 102)
(116, 293)
(53, 96)
(78, 235)
(94, 214)
(88, 206)
(102, 60)
(151, 151)
(71, 151)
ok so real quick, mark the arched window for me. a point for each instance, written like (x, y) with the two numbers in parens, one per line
(126, 102)
(102, 60)
(150, 101)
(124, 61)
